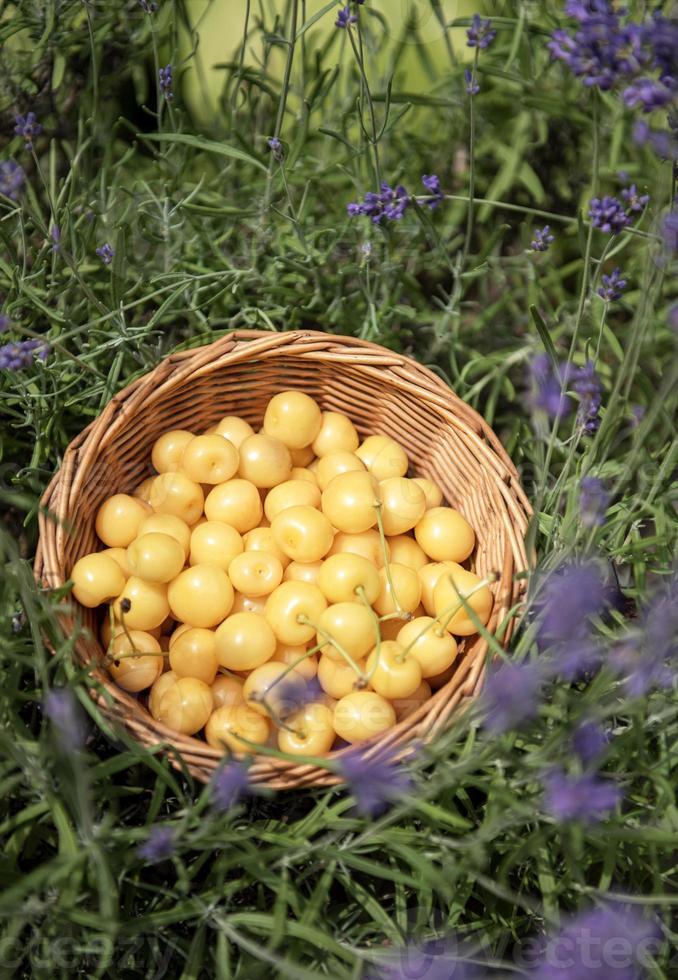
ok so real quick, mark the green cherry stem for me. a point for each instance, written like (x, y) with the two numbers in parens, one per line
(399, 612)
(328, 638)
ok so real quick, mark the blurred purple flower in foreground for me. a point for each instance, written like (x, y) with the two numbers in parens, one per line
(61, 707)
(649, 659)
(609, 943)
(511, 695)
(669, 230)
(472, 87)
(634, 200)
(229, 785)
(165, 82)
(12, 179)
(587, 385)
(374, 781)
(589, 740)
(21, 354)
(28, 127)
(158, 845)
(432, 185)
(547, 392)
(586, 798)
(593, 501)
(571, 595)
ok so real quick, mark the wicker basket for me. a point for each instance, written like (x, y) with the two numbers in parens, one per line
(382, 392)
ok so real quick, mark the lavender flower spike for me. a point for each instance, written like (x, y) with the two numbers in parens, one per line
(28, 127)
(608, 215)
(593, 501)
(374, 781)
(158, 845)
(612, 286)
(345, 18)
(106, 253)
(542, 239)
(12, 179)
(511, 695)
(586, 798)
(480, 33)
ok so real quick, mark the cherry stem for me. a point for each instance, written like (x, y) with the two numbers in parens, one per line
(399, 611)
(462, 602)
(290, 667)
(338, 647)
(360, 591)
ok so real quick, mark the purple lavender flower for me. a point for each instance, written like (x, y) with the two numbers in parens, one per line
(106, 253)
(150, 6)
(672, 317)
(586, 798)
(634, 200)
(28, 127)
(571, 596)
(374, 781)
(55, 235)
(587, 385)
(589, 740)
(165, 82)
(12, 179)
(613, 286)
(472, 87)
(663, 143)
(21, 354)
(276, 147)
(608, 214)
(547, 392)
(542, 239)
(511, 695)
(593, 501)
(390, 203)
(4, 323)
(648, 93)
(229, 785)
(669, 230)
(432, 185)
(158, 845)
(345, 18)
(642, 669)
(438, 959)
(62, 710)
(609, 943)
(480, 33)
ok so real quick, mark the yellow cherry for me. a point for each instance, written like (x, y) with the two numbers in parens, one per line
(303, 533)
(261, 539)
(362, 715)
(338, 678)
(167, 450)
(201, 595)
(135, 673)
(429, 643)
(118, 519)
(273, 689)
(186, 705)
(194, 654)
(406, 586)
(303, 571)
(174, 493)
(432, 492)
(342, 575)
(248, 603)
(142, 605)
(234, 726)
(235, 429)
(337, 434)
(405, 551)
(244, 641)
(392, 673)
(236, 502)
(179, 631)
(209, 459)
(403, 504)
(303, 473)
(294, 418)
(352, 625)
(167, 524)
(264, 461)
(227, 690)
(367, 544)
(292, 657)
(143, 490)
(383, 457)
(291, 493)
(289, 607)
(155, 557)
(349, 502)
(452, 584)
(445, 535)
(301, 457)
(334, 465)
(404, 707)
(214, 543)
(255, 573)
(162, 684)
(428, 576)
(309, 731)
(97, 578)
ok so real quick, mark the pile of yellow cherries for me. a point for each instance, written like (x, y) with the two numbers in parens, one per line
(296, 555)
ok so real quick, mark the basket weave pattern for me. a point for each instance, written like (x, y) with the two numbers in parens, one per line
(382, 392)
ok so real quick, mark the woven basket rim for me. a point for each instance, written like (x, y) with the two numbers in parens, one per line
(403, 375)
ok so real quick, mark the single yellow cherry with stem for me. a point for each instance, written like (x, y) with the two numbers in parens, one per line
(201, 595)
(392, 672)
(273, 689)
(342, 575)
(255, 573)
(348, 501)
(425, 639)
(264, 461)
(456, 594)
(303, 533)
(428, 576)
(309, 731)
(97, 578)
(294, 418)
(215, 543)
(118, 519)
(209, 459)
(340, 678)
(194, 654)
(362, 715)
(292, 610)
(186, 705)
(349, 624)
(236, 502)
(244, 641)
(141, 605)
(238, 728)
(445, 535)
(400, 591)
(167, 450)
(134, 665)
